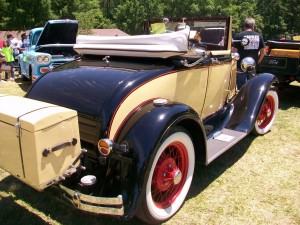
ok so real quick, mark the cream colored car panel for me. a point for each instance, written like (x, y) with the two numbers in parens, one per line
(187, 87)
(232, 85)
(220, 52)
(12, 107)
(9, 144)
(39, 169)
(41, 126)
(217, 90)
(35, 121)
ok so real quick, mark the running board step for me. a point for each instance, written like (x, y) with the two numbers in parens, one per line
(221, 142)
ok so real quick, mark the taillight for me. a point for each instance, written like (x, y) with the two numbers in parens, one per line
(267, 50)
(105, 146)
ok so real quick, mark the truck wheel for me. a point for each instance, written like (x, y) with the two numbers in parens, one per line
(267, 113)
(168, 177)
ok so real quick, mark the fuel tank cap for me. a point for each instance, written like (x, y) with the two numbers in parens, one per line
(160, 101)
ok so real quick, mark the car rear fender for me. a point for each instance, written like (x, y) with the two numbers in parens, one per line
(248, 102)
(144, 130)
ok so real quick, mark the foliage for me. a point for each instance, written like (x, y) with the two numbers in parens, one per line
(63, 9)
(90, 16)
(138, 11)
(24, 14)
(273, 17)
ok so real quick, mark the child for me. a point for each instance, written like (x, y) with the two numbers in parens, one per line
(9, 58)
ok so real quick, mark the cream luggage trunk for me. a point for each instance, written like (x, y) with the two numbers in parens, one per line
(39, 142)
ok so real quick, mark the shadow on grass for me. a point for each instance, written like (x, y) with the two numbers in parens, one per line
(289, 97)
(205, 175)
(24, 85)
(46, 207)
(43, 207)
(12, 213)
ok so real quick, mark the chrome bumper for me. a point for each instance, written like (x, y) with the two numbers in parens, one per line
(98, 205)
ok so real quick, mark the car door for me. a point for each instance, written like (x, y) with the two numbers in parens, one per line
(218, 85)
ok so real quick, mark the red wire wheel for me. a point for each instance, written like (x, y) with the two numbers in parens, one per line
(267, 113)
(168, 178)
(169, 175)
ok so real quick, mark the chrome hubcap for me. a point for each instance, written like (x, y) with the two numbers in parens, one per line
(177, 177)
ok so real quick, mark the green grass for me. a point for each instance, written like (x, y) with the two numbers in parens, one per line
(255, 182)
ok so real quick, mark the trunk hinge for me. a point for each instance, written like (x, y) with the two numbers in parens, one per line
(18, 129)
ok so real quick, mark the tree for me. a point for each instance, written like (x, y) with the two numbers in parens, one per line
(273, 17)
(3, 17)
(293, 16)
(177, 8)
(25, 14)
(90, 16)
(130, 14)
(64, 9)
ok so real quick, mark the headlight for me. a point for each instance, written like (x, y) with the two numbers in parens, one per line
(43, 59)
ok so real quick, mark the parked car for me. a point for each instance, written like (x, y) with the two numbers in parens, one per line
(48, 48)
(283, 60)
(147, 106)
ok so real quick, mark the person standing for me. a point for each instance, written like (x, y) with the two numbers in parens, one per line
(22, 44)
(255, 49)
(9, 58)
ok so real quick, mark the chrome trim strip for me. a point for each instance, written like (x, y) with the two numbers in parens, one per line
(109, 206)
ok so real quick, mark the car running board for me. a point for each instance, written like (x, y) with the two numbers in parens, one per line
(221, 141)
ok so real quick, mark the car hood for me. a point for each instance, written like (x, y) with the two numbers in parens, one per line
(59, 32)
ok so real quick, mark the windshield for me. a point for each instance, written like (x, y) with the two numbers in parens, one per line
(212, 31)
(34, 37)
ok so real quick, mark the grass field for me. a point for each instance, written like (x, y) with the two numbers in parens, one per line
(256, 182)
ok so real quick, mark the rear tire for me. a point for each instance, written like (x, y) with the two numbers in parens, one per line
(168, 177)
(267, 113)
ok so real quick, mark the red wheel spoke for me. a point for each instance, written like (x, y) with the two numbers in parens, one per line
(266, 113)
(166, 183)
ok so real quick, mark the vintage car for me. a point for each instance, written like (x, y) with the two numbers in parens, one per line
(118, 131)
(47, 48)
(283, 60)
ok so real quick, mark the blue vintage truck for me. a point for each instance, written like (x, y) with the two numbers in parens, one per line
(47, 48)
